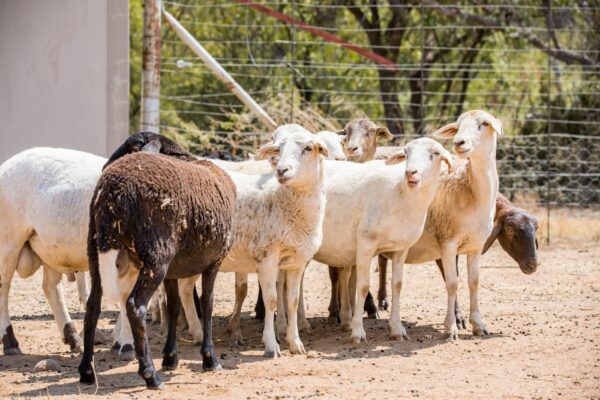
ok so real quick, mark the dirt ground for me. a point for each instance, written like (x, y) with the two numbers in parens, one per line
(545, 342)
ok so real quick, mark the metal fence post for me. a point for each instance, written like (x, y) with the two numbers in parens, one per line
(150, 111)
(548, 117)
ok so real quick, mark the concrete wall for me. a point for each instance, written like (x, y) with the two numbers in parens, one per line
(64, 74)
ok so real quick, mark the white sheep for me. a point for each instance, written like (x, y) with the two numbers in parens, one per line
(44, 205)
(45, 195)
(461, 216)
(374, 208)
(278, 226)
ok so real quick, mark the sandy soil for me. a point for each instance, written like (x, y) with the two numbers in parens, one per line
(545, 342)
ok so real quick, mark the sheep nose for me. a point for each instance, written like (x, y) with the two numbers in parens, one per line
(411, 172)
(459, 143)
(281, 171)
(352, 148)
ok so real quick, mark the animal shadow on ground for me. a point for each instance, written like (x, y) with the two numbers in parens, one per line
(329, 341)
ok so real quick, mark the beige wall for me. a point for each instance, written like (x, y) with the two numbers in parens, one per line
(64, 74)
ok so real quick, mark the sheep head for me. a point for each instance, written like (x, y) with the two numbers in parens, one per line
(152, 143)
(334, 144)
(424, 158)
(360, 138)
(516, 231)
(299, 155)
(473, 134)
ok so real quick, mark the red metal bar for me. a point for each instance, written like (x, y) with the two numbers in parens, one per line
(319, 32)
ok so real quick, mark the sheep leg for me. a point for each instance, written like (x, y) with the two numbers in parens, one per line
(370, 308)
(259, 308)
(209, 360)
(83, 289)
(345, 298)
(123, 346)
(267, 276)
(281, 320)
(363, 266)
(303, 323)
(449, 263)
(147, 283)
(352, 290)
(187, 287)
(170, 359)
(477, 325)
(92, 312)
(397, 329)
(382, 292)
(52, 285)
(334, 302)
(8, 266)
(293, 281)
(460, 319)
(233, 327)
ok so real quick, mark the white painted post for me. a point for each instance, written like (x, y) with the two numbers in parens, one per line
(150, 111)
(223, 75)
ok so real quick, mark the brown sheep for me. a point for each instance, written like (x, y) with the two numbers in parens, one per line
(169, 219)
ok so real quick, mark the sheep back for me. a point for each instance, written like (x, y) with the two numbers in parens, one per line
(155, 205)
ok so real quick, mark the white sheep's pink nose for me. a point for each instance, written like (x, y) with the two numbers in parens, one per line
(412, 178)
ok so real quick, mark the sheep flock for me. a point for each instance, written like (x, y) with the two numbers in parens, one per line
(152, 219)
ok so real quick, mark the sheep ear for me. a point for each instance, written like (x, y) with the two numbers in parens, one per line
(266, 151)
(152, 147)
(447, 158)
(494, 235)
(341, 132)
(497, 125)
(396, 158)
(384, 133)
(446, 132)
(321, 148)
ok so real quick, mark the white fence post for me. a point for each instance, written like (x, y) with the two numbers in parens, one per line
(150, 112)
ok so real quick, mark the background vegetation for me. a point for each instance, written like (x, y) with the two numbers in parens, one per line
(534, 64)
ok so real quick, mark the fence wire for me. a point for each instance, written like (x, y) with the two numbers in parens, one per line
(533, 64)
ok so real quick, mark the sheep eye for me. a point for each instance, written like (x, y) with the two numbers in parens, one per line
(436, 153)
(485, 123)
(308, 149)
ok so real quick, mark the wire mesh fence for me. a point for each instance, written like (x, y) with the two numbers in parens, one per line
(533, 64)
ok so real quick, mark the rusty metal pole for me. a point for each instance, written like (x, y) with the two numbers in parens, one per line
(150, 113)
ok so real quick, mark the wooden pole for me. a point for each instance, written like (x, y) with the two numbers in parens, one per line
(220, 72)
(150, 111)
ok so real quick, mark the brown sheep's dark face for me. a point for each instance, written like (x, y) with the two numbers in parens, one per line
(150, 142)
(518, 239)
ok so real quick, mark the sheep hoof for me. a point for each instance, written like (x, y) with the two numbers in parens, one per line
(170, 362)
(373, 315)
(126, 353)
(116, 347)
(160, 386)
(480, 330)
(452, 336)
(86, 375)
(383, 304)
(333, 319)
(272, 353)
(13, 351)
(216, 367)
(296, 346)
(399, 336)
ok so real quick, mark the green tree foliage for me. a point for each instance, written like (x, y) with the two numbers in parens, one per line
(514, 58)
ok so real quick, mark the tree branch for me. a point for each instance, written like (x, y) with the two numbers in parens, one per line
(565, 56)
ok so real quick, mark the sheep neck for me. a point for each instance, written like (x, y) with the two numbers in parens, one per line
(309, 201)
